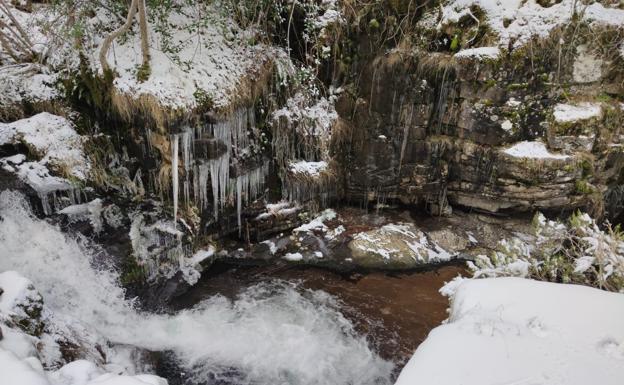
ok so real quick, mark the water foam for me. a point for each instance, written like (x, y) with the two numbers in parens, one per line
(272, 333)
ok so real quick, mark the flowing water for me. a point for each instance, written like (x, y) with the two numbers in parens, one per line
(272, 332)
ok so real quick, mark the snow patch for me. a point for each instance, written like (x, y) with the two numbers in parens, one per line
(312, 169)
(317, 223)
(210, 61)
(566, 113)
(293, 257)
(480, 53)
(532, 150)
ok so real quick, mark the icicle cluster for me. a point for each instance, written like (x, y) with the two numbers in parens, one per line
(198, 173)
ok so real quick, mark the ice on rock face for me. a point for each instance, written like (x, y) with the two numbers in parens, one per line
(57, 144)
(54, 192)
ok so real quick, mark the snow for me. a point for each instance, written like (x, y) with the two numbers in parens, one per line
(16, 290)
(293, 257)
(566, 113)
(507, 125)
(330, 16)
(202, 255)
(526, 18)
(272, 246)
(26, 82)
(212, 60)
(312, 169)
(53, 138)
(532, 150)
(16, 371)
(479, 53)
(317, 223)
(520, 331)
(313, 117)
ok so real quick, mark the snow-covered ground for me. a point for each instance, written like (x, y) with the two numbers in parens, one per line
(200, 60)
(520, 331)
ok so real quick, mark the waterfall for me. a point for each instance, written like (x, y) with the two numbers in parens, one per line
(271, 333)
(174, 175)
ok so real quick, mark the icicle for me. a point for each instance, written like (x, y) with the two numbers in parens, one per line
(239, 203)
(174, 173)
(202, 185)
(187, 157)
(45, 203)
(219, 178)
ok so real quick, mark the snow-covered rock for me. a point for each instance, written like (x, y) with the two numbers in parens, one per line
(519, 20)
(53, 138)
(513, 330)
(395, 245)
(567, 113)
(532, 150)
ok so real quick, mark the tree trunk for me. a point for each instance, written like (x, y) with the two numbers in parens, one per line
(115, 34)
(145, 67)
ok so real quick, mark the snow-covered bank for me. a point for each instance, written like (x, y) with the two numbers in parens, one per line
(520, 331)
(272, 333)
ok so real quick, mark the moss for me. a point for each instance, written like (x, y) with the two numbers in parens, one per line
(586, 167)
(204, 100)
(455, 43)
(490, 83)
(582, 187)
(132, 272)
(517, 86)
(143, 72)
(604, 98)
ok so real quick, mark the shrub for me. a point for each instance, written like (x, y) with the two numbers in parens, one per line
(577, 251)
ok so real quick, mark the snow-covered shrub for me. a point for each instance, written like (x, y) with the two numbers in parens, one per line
(577, 251)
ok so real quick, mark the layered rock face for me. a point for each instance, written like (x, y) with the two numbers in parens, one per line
(481, 129)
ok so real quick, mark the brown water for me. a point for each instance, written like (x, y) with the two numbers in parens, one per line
(395, 311)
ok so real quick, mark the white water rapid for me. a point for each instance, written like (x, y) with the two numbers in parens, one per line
(272, 333)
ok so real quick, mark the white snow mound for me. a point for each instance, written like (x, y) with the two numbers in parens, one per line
(520, 331)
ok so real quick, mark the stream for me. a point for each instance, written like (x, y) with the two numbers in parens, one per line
(238, 325)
